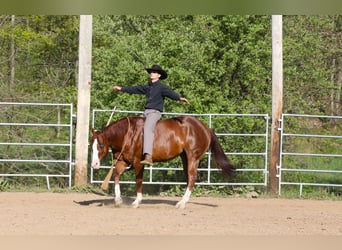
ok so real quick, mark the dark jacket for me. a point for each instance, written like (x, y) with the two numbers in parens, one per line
(155, 94)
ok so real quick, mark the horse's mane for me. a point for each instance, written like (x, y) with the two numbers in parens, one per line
(178, 119)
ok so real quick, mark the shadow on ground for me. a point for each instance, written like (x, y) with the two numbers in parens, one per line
(127, 201)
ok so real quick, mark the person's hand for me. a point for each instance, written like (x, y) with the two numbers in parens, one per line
(117, 88)
(183, 99)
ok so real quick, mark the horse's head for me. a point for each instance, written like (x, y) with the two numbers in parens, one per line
(100, 146)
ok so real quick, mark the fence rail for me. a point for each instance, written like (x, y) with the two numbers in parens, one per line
(291, 172)
(31, 119)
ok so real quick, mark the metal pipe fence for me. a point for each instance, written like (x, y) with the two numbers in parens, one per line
(309, 147)
(310, 151)
(252, 149)
(36, 140)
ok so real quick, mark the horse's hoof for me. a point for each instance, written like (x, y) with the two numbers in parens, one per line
(180, 205)
(135, 205)
(118, 201)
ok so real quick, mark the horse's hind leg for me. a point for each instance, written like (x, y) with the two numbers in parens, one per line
(185, 199)
(191, 179)
(185, 165)
(139, 181)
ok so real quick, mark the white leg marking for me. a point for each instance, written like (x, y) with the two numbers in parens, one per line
(118, 199)
(96, 161)
(137, 201)
(184, 200)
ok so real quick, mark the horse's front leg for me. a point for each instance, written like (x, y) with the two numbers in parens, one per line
(119, 169)
(139, 181)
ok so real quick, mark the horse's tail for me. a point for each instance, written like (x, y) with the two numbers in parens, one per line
(219, 156)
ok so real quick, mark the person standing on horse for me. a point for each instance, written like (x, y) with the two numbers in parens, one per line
(155, 92)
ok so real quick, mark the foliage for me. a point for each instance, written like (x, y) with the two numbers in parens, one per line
(312, 44)
(44, 54)
(4, 185)
(217, 62)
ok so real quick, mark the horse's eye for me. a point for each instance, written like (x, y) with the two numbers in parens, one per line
(101, 145)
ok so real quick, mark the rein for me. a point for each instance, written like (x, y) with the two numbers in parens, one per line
(104, 185)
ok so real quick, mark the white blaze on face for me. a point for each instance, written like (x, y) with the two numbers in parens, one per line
(96, 161)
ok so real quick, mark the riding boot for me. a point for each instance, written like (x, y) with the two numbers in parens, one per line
(147, 160)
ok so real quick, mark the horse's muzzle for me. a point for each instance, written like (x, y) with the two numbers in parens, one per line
(95, 164)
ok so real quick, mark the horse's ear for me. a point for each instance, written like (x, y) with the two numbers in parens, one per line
(92, 131)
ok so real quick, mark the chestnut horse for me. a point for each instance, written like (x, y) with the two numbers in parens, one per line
(183, 136)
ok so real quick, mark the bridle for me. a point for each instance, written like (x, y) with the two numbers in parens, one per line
(104, 185)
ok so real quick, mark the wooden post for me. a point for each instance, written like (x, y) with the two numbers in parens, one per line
(277, 101)
(83, 100)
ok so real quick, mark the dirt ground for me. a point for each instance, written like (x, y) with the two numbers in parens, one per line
(94, 214)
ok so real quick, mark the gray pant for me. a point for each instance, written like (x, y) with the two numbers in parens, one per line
(152, 117)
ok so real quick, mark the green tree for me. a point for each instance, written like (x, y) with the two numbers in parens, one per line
(221, 63)
(45, 58)
(312, 49)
